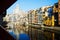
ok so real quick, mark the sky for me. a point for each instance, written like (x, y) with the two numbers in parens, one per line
(27, 5)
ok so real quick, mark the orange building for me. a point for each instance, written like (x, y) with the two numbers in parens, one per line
(32, 17)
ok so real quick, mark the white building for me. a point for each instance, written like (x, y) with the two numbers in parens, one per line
(17, 17)
(42, 12)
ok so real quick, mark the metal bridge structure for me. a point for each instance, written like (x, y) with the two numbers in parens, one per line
(4, 5)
